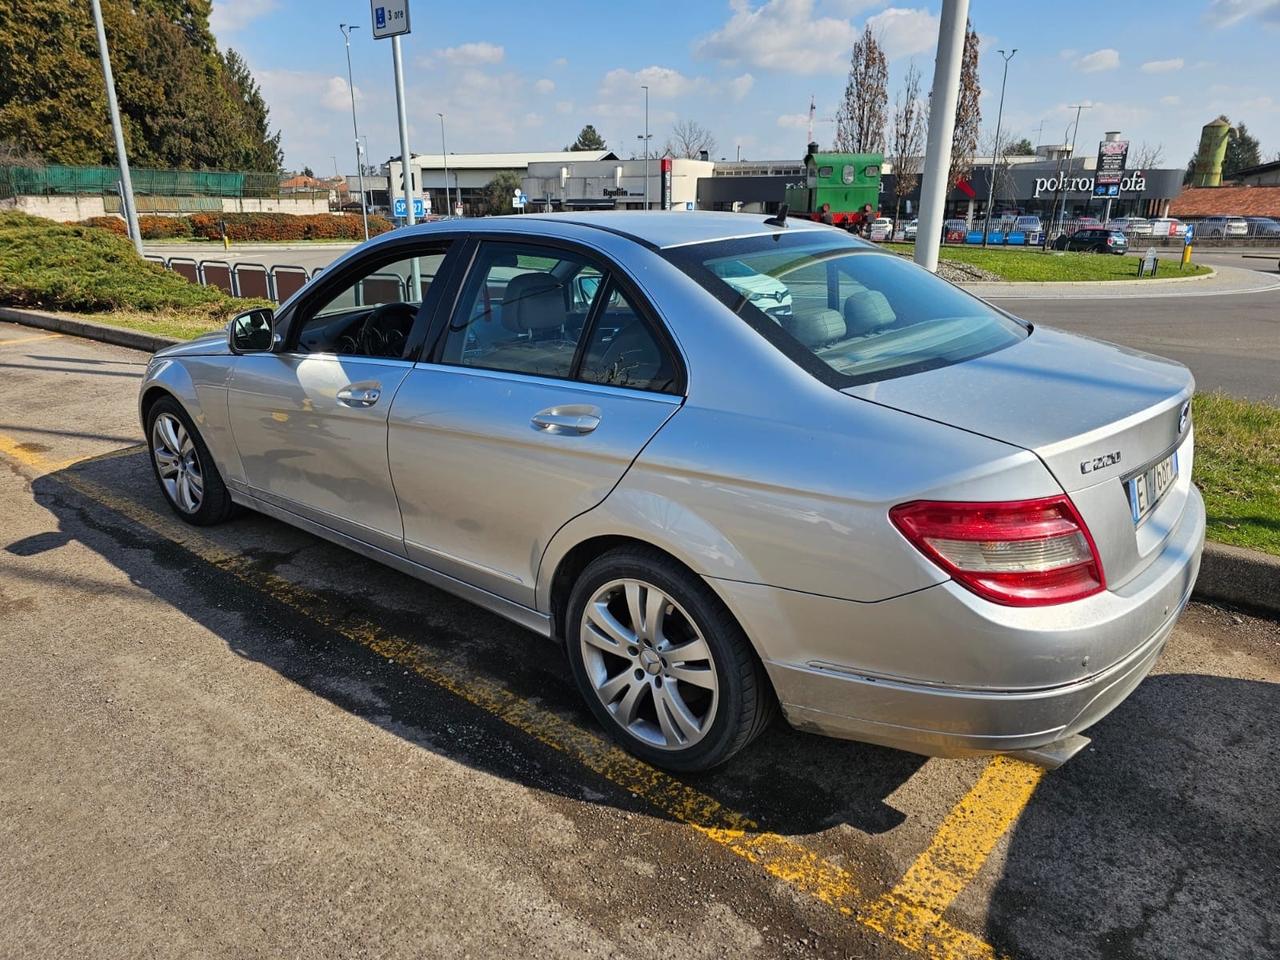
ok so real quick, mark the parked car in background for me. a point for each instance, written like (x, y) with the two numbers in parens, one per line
(881, 229)
(1263, 227)
(1221, 227)
(763, 291)
(986, 551)
(1093, 240)
(1084, 223)
(1132, 226)
(910, 230)
(1168, 227)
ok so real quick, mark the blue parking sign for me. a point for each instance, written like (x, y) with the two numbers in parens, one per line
(380, 17)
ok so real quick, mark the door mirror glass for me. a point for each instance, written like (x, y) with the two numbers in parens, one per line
(251, 332)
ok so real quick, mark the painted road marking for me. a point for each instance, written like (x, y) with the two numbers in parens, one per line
(910, 914)
(17, 340)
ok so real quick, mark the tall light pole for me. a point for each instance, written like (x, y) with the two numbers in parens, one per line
(444, 155)
(645, 88)
(1075, 130)
(942, 125)
(397, 62)
(355, 127)
(126, 182)
(995, 152)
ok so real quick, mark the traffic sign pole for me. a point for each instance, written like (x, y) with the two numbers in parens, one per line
(126, 182)
(405, 157)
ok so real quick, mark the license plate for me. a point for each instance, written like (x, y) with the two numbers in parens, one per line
(1148, 488)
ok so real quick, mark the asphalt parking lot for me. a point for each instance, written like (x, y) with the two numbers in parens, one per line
(243, 742)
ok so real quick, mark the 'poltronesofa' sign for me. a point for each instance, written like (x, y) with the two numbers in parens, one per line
(1135, 183)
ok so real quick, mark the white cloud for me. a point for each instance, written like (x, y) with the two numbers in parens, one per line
(739, 87)
(471, 54)
(783, 35)
(663, 83)
(544, 85)
(337, 94)
(903, 32)
(1227, 13)
(560, 62)
(1172, 100)
(228, 16)
(1163, 66)
(1099, 60)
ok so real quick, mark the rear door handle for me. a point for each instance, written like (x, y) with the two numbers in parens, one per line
(359, 396)
(565, 423)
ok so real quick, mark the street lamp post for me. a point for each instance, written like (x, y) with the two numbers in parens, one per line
(645, 88)
(126, 182)
(995, 151)
(444, 155)
(355, 127)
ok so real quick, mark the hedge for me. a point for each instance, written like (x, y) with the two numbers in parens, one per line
(249, 226)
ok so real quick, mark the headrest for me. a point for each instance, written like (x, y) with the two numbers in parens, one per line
(533, 301)
(867, 311)
(816, 328)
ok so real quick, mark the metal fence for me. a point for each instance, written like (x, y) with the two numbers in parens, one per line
(276, 283)
(56, 179)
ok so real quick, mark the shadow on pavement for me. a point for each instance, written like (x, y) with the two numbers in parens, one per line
(1161, 841)
(788, 782)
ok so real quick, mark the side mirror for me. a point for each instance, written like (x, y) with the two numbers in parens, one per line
(251, 332)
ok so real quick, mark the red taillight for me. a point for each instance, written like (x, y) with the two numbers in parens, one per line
(1025, 553)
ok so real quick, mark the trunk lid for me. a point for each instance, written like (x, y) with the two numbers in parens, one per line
(1095, 414)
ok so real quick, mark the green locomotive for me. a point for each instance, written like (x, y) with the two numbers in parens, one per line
(849, 182)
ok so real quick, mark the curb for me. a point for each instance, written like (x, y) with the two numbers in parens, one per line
(61, 323)
(1107, 284)
(1243, 578)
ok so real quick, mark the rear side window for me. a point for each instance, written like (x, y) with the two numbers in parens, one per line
(847, 314)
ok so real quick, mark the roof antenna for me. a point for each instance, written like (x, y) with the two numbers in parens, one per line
(781, 219)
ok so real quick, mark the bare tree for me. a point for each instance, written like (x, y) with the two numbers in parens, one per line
(688, 139)
(1000, 150)
(964, 142)
(1146, 156)
(909, 120)
(860, 120)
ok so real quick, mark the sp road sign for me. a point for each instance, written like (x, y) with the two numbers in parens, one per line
(390, 18)
(399, 208)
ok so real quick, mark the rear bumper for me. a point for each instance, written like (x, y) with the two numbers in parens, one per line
(960, 715)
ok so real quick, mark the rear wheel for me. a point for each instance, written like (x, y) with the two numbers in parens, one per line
(662, 664)
(184, 467)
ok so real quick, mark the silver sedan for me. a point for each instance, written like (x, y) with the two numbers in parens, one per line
(893, 511)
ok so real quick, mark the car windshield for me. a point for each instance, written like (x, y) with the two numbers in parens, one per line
(857, 315)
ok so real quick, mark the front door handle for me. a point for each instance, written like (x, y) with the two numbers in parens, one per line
(354, 396)
(565, 422)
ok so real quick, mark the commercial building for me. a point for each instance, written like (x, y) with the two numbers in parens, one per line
(576, 183)
(470, 173)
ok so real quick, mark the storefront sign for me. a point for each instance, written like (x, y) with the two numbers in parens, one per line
(1112, 155)
(622, 192)
(666, 183)
(1135, 183)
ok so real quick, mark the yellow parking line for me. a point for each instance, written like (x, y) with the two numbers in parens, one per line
(909, 915)
(17, 340)
(961, 845)
(19, 452)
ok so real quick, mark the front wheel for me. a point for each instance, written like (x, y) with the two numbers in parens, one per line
(184, 467)
(662, 664)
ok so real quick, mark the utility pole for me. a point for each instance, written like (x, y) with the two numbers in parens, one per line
(126, 182)
(995, 151)
(405, 158)
(942, 124)
(444, 155)
(355, 127)
(1075, 130)
(645, 88)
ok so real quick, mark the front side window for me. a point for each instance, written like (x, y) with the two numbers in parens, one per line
(552, 313)
(371, 316)
(853, 314)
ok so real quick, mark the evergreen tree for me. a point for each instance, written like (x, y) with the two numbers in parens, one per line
(588, 139)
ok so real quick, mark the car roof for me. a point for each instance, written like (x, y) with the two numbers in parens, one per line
(657, 228)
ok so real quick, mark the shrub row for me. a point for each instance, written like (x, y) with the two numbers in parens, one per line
(249, 226)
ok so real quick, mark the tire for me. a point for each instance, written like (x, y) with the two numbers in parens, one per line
(174, 441)
(638, 675)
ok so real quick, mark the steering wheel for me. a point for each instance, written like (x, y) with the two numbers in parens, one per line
(385, 330)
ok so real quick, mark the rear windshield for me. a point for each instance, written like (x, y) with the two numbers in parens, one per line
(843, 310)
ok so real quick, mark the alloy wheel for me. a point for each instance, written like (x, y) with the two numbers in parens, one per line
(177, 463)
(649, 664)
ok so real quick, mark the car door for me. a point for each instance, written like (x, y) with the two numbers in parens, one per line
(550, 376)
(310, 419)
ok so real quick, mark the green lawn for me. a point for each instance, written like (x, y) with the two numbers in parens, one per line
(51, 266)
(1237, 466)
(1035, 266)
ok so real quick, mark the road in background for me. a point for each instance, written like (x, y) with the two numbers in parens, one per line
(308, 255)
(244, 741)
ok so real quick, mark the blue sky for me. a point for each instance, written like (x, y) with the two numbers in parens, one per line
(527, 75)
